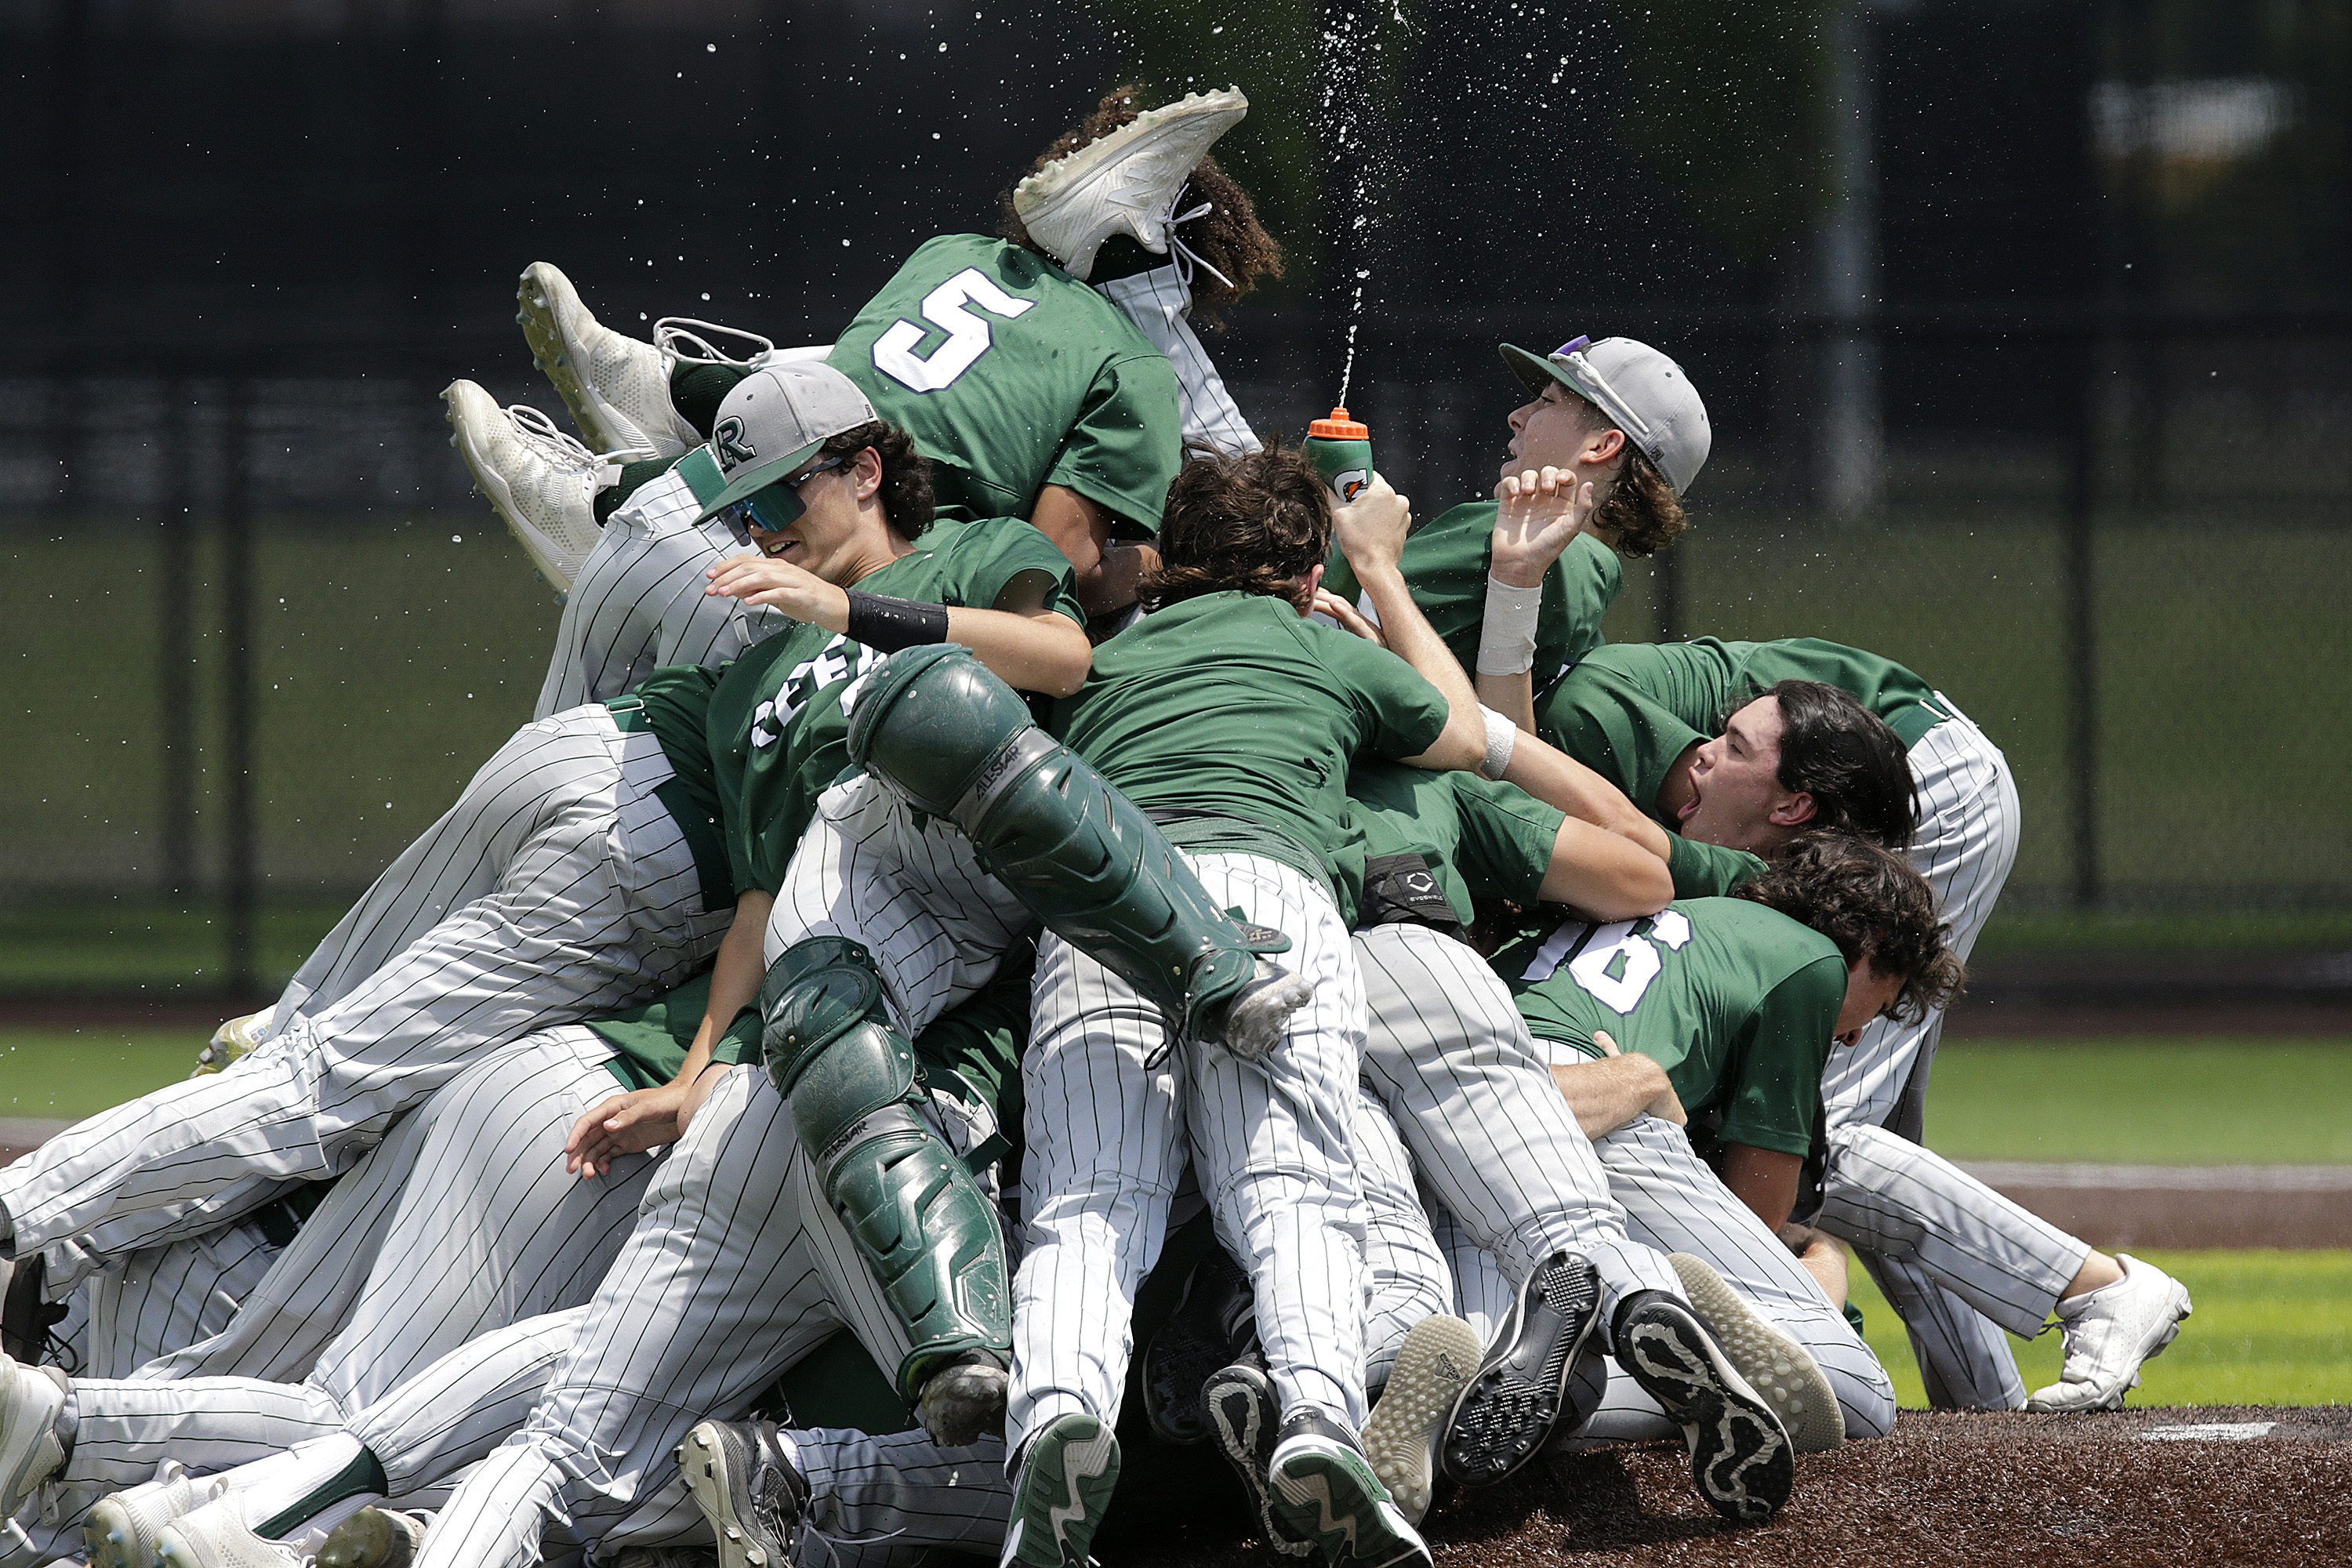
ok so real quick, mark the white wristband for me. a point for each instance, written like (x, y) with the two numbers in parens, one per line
(1506, 638)
(1501, 736)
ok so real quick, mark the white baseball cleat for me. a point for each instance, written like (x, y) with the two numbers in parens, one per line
(539, 482)
(1434, 1365)
(236, 1039)
(616, 386)
(31, 1399)
(1782, 1372)
(216, 1536)
(373, 1537)
(1127, 180)
(2109, 1332)
(123, 1529)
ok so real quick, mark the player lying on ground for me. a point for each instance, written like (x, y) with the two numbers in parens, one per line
(402, 1400)
(1041, 402)
(1798, 756)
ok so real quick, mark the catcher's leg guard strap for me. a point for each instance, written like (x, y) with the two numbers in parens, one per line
(918, 1220)
(954, 741)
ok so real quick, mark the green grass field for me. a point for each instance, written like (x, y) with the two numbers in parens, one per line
(2271, 1328)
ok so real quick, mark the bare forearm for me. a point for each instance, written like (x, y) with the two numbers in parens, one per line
(1606, 1094)
(1512, 696)
(735, 976)
(1559, 780)
(1763, 1179)
(1047, 652)
(1604, 876)
(1463, 744)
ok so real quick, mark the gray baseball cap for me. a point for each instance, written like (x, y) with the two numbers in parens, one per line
(771, 422)
(1641, 390)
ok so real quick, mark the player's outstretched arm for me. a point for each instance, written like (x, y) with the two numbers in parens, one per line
(1371, 531)
(1606, 876)
(1606, 1094)
(1539, 514)
(1559, 781)
(1023, 642)
(646, 1119)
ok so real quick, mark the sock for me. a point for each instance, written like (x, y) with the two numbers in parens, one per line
(609, 500)
(280, 1495)
(695, 390)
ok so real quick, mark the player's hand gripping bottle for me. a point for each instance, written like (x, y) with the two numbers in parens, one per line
(1341, 450)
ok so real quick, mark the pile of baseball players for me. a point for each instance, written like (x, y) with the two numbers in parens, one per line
(747, 1119)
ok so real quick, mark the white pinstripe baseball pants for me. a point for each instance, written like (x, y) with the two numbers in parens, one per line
(638, 603)
(1673, 1202)
(1106, 1148)
(1159, 303)
(735, 1270)
(148, 1303)
(1446, 1051)
(487, 1230)
(1965, 844)
(597, 905)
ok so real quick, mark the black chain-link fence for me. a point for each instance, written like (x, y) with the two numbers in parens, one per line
(2069, 443)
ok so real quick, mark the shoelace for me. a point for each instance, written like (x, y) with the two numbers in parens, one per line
(681, 337)
(568, 446)
(1185, 256)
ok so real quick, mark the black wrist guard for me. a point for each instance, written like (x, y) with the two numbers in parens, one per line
(887, 625)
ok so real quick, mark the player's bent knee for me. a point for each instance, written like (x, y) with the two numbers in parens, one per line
(931, 721)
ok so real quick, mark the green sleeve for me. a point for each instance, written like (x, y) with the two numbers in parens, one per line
(1587, 576)
(1616, 730)
(1507, 839)
(1399, 713)
(1124, 448)
(1709, 870)
(989, 555)
(1775, 1100)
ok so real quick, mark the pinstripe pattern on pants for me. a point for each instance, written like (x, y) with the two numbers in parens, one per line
(1105, 1148)
(1673, 1202)
(1159, 303)
(488, 1230)
(736, 1269)
(153, 1302)
(598, 906)
(1966, 842)
(1904, 1202)
(638, 603)
(1406, 1278)
(1446, 1051)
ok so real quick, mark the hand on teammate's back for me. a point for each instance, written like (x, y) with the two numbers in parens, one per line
(1350, 619)
(1539, 513)
(1372, 528)
(783, 586)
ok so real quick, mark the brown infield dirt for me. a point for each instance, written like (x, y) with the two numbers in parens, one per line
(1975, 1490)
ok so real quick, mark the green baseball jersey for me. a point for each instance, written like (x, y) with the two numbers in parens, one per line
(1736, 1001)
(1477, 839)
(1447, 562)
(769, 726)
(1011, 376)
(1235, 706)
(653, 1038)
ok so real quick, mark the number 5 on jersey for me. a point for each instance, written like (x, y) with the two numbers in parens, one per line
(946, 308)
(1613, 963)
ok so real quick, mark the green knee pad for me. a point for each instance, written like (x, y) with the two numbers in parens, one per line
(919, 1221)
(933, 724)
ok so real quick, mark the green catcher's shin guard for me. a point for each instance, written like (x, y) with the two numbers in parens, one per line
(919, 1221)
(934, 725)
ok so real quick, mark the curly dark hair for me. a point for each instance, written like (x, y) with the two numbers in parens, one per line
(1874, 906)
(905, 473)
(1855, 766)
(1253, 523)
(1642, 510)
(1229, 238)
